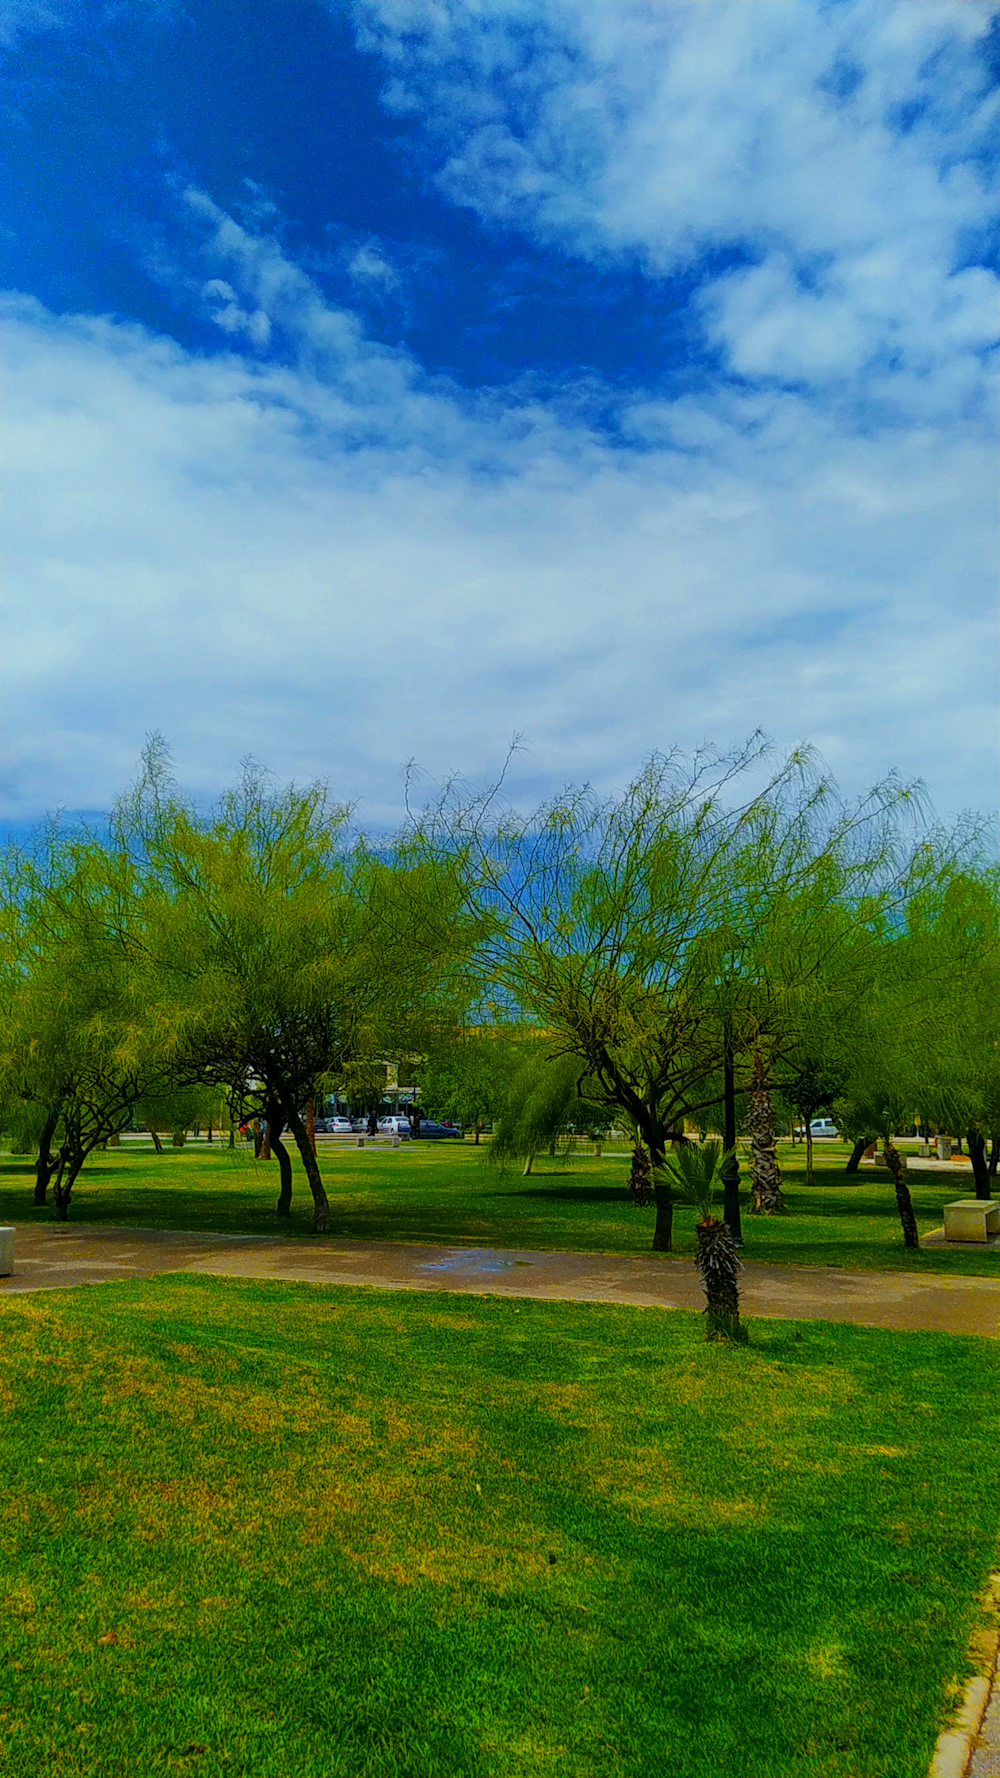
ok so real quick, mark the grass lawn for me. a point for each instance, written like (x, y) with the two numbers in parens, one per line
(284, 1531)
(442, 1192)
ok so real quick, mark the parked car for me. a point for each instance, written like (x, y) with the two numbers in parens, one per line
(333, 1126)
(395, 1126)
(820, 1126)
(432, 1131)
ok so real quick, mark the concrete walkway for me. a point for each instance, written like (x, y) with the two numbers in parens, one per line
(52, 1257)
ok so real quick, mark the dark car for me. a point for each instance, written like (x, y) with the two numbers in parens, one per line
(432, 1131)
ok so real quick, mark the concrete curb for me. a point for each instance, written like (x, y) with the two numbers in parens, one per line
(957, 1744)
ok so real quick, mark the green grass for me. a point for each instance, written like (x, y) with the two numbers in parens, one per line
(286, 1531)
(442, 1193)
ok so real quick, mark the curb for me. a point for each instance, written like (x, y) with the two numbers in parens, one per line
(957, 1744)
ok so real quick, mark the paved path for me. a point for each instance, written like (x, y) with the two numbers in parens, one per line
(50, 1257)
(986, 1759)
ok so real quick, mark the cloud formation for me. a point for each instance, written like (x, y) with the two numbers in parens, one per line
(329, 560)
(301, 545)
(845, 153)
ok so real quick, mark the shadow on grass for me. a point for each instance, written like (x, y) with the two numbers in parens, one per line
(583, 1194)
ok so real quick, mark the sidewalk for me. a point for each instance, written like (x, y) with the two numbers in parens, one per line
(54, 1257)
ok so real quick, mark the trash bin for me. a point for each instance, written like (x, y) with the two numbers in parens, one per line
(944, 1148)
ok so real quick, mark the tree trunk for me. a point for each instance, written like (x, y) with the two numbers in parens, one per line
(980, 1166)
(718, 1264)
(854, 1160)
(528, 1162)
(477, 1136)
(258, 1138)
(265, 1143)
(663, 1198)
(321, 1203)
(45, 1164)
(232, 1134)
(63, 1180)
(767, 1196)
(284, 1205)
(994, 1154)
(157, 1144)
(311, 1123)
(208, 1132)
(809, 1156)
(904, 1203)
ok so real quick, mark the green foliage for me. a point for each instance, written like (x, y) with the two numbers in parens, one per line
(697, 1170)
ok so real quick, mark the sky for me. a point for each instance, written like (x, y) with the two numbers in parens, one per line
(382, 380)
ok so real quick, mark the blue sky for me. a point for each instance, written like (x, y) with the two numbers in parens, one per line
(385, 379)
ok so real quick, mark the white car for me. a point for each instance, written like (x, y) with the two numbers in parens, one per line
(333, 1126)
(820, 1126)
(395, 1126)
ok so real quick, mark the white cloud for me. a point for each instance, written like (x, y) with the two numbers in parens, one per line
(849, 150)
(370, 267)
(26, 18)
(335, 563)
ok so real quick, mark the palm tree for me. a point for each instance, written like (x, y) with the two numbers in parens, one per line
(697, 1173)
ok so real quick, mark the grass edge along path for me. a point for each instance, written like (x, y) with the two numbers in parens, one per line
(263, 1528)
(442, 1193)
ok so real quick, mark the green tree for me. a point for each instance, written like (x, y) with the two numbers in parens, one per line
(279, 950)
(76, 1049)
(698, 1171)
(632, 929)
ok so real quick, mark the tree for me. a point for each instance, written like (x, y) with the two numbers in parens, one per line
(544, 1093)
(814, 1089)
(698, 1173)
(631, 929)
(468, 1076)
(77, 1051)
(279, 950)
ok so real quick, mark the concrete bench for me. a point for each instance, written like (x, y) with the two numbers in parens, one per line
(971, 1219)
(6, 1252)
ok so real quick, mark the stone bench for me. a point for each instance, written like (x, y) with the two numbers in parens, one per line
(972, 1219)
(6, 1252)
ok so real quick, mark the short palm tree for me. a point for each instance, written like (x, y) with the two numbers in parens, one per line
(697, 1170)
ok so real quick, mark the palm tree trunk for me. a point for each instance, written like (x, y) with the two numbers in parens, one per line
(767, 1196)
(718, 1265)
(857, 1151)
(904, 1203)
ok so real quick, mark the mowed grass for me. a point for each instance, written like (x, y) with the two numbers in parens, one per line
(444, 1193)
(287, 1531)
